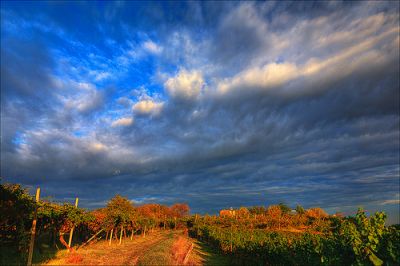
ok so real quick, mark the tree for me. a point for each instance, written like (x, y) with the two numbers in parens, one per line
(316, 213)
(300, 210)
(284, 208)
(243, 212)
(179, 210)
(274, 214)
(257, 210)
(119, 211)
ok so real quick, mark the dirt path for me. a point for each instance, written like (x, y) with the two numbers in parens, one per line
(100, 253)
(158, 248)
(135, 254)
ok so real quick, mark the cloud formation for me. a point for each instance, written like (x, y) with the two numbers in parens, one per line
(147, 107)
(232, 104)
(185, 84)
(152, 47)
(126, 121)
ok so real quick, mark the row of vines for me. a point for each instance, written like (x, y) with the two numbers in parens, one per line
(333, 240)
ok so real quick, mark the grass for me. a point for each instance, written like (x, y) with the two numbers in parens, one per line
(158, 248)
(180, 248)
(159, 254)
(203, 254)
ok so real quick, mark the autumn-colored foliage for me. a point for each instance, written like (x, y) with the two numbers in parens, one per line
(55, 220)
(227, 213)
(316, 213)
(99, 219)
(243, 212)
(179, 210)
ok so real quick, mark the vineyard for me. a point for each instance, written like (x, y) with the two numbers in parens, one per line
(256, 240)
(117, 221)
(274, 235)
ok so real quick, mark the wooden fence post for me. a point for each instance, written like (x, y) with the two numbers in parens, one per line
(231, 237)
(33, 230)
(111, 236)
(120, 236)
(72, 229)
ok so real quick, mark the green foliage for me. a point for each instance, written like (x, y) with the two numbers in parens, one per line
(357, 240)
(300, 210)
(257, 210)
(119, 211)
(368, 239)
(61, 218)
(284, 208)
(16, 209)
(389, 246)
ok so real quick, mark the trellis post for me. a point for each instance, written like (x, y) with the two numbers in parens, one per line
(72, 229)
(120, 236)
(111, 236)
(33, 230)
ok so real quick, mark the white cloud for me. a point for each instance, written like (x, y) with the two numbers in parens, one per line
(125, 121)
(389, 202)
(125, 101)
(268, 76)
(88, 102)
(148, 107)
(152, 47)
(185, 84)
(80, 96)
(138, 51)
(358, 29)
(343, 62)
(100, 75)
(84, 86)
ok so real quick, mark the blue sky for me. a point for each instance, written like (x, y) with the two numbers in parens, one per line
(217, 104)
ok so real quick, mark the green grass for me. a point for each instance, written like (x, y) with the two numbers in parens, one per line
(159, 254)
(211, 256)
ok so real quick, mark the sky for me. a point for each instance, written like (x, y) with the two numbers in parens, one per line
(216, 104)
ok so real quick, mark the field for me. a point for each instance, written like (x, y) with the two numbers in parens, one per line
(153, 234)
